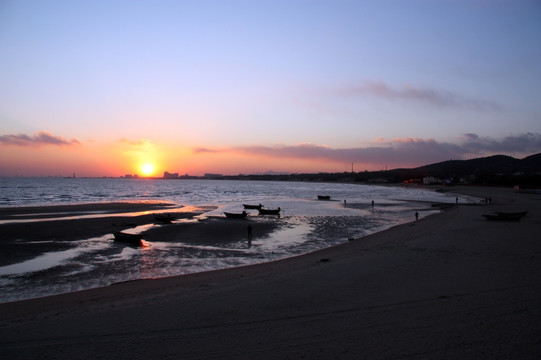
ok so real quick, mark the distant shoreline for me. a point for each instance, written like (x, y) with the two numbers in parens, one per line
(495, 170)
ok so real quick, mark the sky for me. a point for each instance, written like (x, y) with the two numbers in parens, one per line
(103, 88)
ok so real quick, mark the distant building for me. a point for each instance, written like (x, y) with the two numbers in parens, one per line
(430, 180)
(213, 176)
(168, 175)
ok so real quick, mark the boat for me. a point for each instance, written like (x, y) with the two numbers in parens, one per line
(504, 217)
(506, 213)
(133, 239)
(254, 207)
(527, 189)
(324, 197)
(241, 215)
(269, 211)
(164, 218)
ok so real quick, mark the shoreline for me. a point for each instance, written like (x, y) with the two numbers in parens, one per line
(214, 274)
(449, 285)
(66, 223)
(27, 231)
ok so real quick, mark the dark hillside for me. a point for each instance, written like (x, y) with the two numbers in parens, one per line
(531, 163)
(497, 164)
(491, 170)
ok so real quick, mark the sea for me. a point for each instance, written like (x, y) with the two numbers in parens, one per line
(306, 225)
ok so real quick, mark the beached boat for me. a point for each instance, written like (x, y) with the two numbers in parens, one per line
(269, 211)
(164, 218)
(504, 217)
(253, 207)
(517, 213)
(133, 239)
(324, 197)
(241, 215)
(527, 189)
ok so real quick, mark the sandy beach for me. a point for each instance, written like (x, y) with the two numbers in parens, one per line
(451, 285)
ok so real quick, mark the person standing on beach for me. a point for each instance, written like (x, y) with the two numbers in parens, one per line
(416, 215)
(249, 232)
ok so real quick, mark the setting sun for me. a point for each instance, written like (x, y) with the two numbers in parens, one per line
(147, 169)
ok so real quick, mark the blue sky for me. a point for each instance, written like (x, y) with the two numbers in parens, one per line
(273, 79)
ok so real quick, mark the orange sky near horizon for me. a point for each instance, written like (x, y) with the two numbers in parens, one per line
(96, 159)
(122, 158)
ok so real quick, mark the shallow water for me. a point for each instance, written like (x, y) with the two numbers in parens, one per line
(306, 225)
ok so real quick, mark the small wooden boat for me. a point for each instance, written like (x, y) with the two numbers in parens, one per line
(133, 239)
(241, 215)
(164, 218)
(269, 211)
(253, 207)
(508, 217)
(505, 213)
(324, 197)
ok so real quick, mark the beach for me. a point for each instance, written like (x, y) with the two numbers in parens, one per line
(451, 285)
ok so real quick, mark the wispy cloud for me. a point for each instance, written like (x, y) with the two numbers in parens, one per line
(521, 143)
(401, 152)
(430, 96)
(42, 138)
(138, 142)
(205, 150)
(396, 153)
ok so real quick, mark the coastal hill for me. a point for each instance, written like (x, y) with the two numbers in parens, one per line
(497, 164)
(492, 170)
(497, 169)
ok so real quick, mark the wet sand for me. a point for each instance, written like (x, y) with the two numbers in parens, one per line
(27, 239)
(452, 285)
